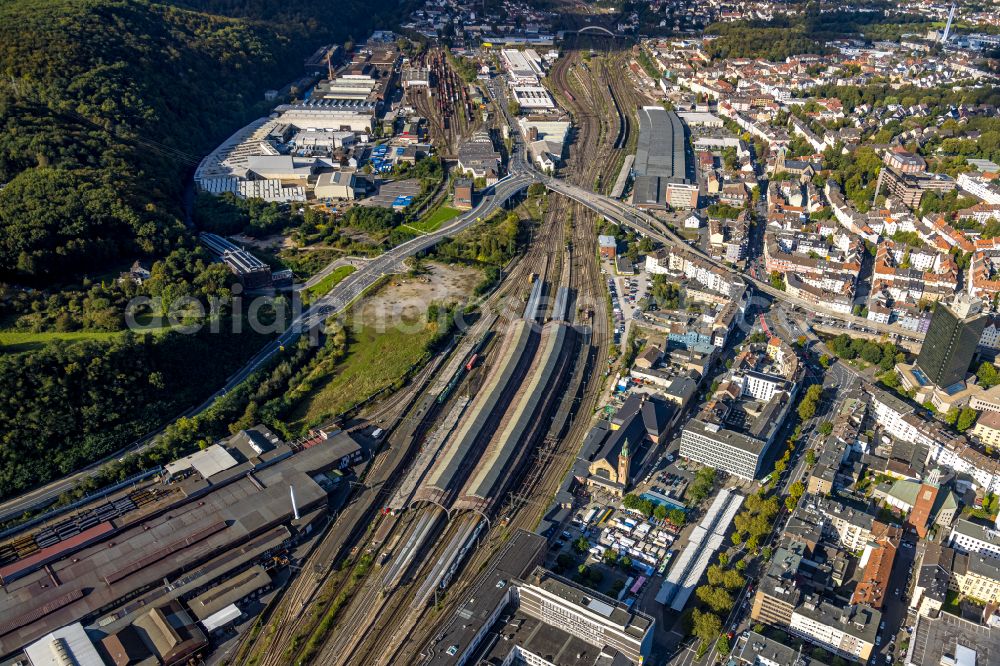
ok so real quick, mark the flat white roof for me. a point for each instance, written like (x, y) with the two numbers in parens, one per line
(71, 641)
(208, 462)
(221, 618)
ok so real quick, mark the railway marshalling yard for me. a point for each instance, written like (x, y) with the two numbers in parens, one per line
(473, 450)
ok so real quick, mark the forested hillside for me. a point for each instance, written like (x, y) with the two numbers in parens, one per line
(104, 105)
(808, 33)
(105, 108)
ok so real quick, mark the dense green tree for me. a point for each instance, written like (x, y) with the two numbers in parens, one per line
(100, 126)
(987, 375)
(716, 598)
(966, 419)
(64, 406)
(706, 626)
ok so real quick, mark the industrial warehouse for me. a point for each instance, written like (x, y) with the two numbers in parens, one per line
(153, 571)
(292, 154)
(662, 168)
(249, 269)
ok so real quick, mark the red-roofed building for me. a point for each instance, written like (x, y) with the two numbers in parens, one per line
(920, 516)
(877, 562)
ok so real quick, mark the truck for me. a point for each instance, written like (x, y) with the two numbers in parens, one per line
(625, 588)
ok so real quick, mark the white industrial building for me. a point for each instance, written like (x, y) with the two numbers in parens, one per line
(336, 185)
(416, 77)
(67, 645)
(270, 190)
(328, 140)
(532, 97)
(281, 167)
(522, 68)
(353, 116)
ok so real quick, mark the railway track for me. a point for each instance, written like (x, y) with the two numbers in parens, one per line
(601, 106)
(629, 99)
(410, 626)
(288, 618)
(508, 303)
(383, 625)
(450, 112)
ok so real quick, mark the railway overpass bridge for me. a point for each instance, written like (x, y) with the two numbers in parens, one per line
(597, 31)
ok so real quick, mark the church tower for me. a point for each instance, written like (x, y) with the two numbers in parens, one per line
(624, 463)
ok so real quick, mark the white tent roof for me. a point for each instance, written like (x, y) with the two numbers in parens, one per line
(68, 644)
(221, 618)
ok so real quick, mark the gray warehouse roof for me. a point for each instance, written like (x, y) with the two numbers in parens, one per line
(661, 150)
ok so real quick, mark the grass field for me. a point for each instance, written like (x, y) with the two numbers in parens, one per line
(374, 361)
(327, 283)
(434, 221)
(13, 342)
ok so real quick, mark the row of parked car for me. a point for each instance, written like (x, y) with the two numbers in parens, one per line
(616, 309)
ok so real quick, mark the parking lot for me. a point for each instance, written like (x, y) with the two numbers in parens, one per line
(626, 292)
(389, 190)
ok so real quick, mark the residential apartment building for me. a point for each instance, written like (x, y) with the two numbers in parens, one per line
(978, 577)
(944, 449)
(758, 650)
(979, 187)
(849, 631)
(987, 428)
(763, 386)
(930, 592)
(970, 538)
(778, 592)
(852, 527)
